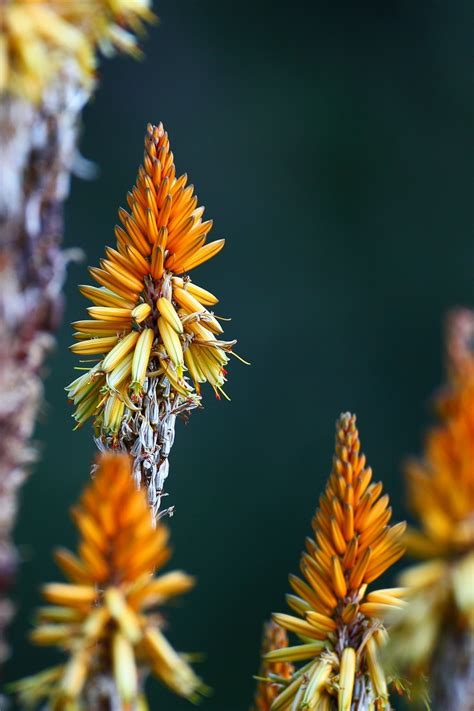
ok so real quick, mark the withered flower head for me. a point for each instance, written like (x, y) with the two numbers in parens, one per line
(274, 637)
(150, 328)
(338, 621)
(441, 494)
(38, 37)
(106, 618)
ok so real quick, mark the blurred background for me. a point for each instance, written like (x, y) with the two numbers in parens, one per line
(332, 144)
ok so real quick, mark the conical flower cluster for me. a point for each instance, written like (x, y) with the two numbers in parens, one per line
(338, 622)
(274, 637)
(37, 37)
(441, 493)
(150, 329)
(107, 618)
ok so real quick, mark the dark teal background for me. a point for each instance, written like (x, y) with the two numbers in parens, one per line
(332, 144)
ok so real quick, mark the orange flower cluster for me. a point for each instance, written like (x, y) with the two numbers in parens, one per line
(274, 637)
(441, 493)
(106, 618)
(338, 621)
(441, 484)
(149, 321)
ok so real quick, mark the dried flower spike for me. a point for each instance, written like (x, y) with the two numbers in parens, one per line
(434, 635)
(151, 330)
(105, 618)
(339, 623)
(37, 38)
(272, 674)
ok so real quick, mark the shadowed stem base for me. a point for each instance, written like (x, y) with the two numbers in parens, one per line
(38, 145)
(452, 678)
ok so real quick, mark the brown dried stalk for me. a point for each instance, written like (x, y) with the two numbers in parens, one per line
(38, 145)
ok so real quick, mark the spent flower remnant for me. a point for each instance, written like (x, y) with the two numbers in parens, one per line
(340, 623)
(38, 36)
(274, 637)
(106, 619)
(434, 634)
(154, 338)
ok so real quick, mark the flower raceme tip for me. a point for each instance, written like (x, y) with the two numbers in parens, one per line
(148, 319)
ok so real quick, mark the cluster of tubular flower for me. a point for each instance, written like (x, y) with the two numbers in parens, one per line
(38, 37)
(149, 320)
(274, 638)
(441, 494)
(106, 618)
(338, 621)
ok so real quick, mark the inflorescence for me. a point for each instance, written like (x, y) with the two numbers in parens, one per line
(107, 619)
(441, 494)
(339, 623)
(150, 328)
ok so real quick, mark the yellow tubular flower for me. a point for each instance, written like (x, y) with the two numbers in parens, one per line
(440, 617)
(268, 688)
(105, 617)
(37, 37)
(340, 623)
(147, 306)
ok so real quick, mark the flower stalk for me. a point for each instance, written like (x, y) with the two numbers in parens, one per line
(150, 329)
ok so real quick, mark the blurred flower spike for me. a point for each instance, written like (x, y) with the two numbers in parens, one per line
(339, 623)
(39, 37)
(440, 617)
(106, 619)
